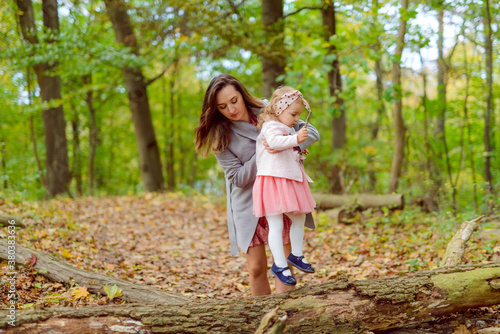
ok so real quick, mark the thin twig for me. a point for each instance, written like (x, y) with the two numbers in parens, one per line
(301, 9)
(150, 81)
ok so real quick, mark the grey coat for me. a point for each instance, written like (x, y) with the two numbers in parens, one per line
(240, 169)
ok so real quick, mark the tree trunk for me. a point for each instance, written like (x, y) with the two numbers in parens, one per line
(433, 175)
(183, 158)
(441, 76)
(32, 129)
(3, 158)
(328, 201)
(380, 97)
(399, 126)
(53, 119)
(192, 173)
(372, 175)
(379, 85)
(171, 131)
(488, 144)
(273, 64)
(149, 155)
(58, 271)
(334, 80)
(340, 306)
(77, 152)
(57, 164)
(335, 88)
(470, 152)
(94, 130)
(442, 102)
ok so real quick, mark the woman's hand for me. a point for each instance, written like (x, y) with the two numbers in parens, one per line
(302, 135)
(268, 149)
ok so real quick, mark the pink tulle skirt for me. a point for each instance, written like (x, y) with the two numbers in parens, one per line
(275, 195)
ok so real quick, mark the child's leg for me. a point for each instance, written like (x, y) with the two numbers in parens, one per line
(296, 258)
(280, 287)
(275, 239)
(297, 232)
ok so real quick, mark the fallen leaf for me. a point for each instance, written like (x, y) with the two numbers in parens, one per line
(112, 292)
(27, 305)
(80, 292)
(65, 253)
(31, 261)
(462, 329)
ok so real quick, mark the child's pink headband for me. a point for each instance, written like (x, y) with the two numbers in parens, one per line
(287, 99)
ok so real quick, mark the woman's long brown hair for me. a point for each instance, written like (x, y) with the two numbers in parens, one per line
(214, 130)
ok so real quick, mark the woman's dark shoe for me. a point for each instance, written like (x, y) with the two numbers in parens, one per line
(299, 262)
(278, 272)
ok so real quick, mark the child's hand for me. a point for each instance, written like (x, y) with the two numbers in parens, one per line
(302, 135)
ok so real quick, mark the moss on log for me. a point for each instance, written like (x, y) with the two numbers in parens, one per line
(339, 306)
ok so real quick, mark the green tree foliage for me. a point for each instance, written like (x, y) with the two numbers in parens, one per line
(185, 43)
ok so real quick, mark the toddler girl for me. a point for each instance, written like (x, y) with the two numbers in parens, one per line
(282, 185)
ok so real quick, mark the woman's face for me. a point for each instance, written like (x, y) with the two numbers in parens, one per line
(231, 104)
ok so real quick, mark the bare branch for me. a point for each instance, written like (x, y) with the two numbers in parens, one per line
(150, 81)
(448, 60)
(234, 7)
(301, 9)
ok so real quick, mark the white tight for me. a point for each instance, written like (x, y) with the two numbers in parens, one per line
(276, 237)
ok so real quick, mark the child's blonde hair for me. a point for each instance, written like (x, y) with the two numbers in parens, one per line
(269, 113)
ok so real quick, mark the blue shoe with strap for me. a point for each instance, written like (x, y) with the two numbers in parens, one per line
(300, 263)
(278, 272)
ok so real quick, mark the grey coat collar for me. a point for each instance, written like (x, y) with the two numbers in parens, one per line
(246, 129)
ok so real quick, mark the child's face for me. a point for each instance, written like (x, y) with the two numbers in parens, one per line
(290, 116)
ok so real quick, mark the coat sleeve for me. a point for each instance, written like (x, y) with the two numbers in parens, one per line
(238, 173)
(276, 140)
(313, 134)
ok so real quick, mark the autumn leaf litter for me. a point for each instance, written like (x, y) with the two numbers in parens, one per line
(179, 243)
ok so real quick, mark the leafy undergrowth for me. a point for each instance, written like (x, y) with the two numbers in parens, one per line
(179, 243)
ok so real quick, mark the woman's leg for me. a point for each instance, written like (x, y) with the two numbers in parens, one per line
(257, 267)
(280, 287)
(297, 232)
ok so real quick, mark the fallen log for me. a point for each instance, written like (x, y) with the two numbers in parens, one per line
(340, 306)
(329, 201)
(58, 271)
(345, 215)
(9, 220)
(455, 250)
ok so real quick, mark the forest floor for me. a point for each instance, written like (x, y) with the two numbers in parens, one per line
(178, 243)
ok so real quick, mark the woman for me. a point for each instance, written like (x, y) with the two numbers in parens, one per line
(228, 128)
